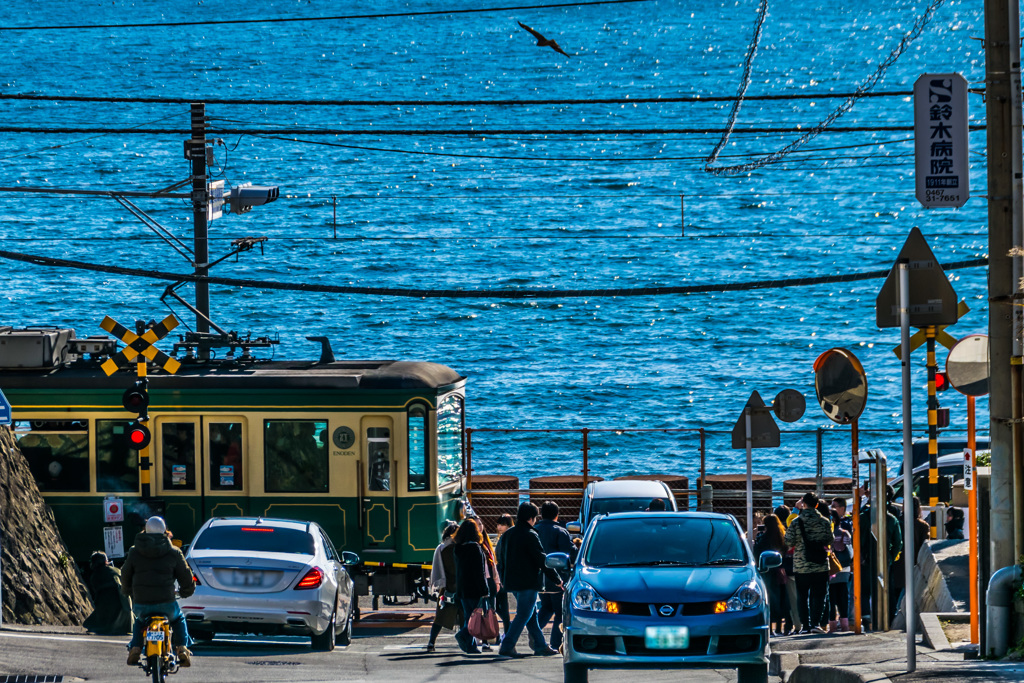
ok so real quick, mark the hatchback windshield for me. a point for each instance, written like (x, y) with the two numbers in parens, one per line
(607, 506)
(654, 540)
(266, 539)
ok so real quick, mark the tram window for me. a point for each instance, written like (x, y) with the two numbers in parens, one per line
(449, 439)
(295, 456)
(378, 442)
(417, 448)
(225, 456)
(57, 453)
(178, 456)
(117, 465)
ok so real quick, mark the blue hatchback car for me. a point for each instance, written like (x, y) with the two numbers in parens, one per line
(665, 590)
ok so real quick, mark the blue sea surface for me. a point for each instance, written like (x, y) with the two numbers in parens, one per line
(600, 208)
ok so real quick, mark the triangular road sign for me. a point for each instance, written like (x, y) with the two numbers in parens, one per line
(763, 430)
(932, 298)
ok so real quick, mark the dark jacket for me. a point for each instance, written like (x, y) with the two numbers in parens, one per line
(151, 568)
(113, 613)
(522, 557)
(470, 580)
(554, 539)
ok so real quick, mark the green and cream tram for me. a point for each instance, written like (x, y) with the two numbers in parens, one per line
(370, 450)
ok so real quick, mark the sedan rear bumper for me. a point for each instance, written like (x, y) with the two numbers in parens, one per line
(213, 611)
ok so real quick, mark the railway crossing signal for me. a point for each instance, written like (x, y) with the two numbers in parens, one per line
(140, 345)
(138, 349)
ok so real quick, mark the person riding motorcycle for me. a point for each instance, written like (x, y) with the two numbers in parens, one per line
(150, 570)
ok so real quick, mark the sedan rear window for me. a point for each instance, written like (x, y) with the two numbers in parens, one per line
(655, 540)
(267, 539)
(608, 506)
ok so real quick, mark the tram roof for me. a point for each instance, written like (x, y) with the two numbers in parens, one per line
(284, 374)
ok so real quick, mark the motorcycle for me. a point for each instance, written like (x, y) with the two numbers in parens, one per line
(158, 657)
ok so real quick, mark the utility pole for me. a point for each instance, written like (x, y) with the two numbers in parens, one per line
(195, 149)
(1002, 97)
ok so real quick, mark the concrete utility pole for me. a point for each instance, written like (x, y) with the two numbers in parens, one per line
(1002, 112)
(196, 151)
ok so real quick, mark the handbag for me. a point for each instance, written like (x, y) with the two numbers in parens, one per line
(483, 622)
(834, 567)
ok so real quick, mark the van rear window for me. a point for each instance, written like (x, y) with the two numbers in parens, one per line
(266, 539)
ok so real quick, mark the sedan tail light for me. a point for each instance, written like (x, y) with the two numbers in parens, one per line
(313, 578)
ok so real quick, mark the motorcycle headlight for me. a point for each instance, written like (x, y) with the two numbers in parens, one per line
(585, 597)
(746, 596)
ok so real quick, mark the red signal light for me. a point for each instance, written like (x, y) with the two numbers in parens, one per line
(138, 436)
(313, 578)
(941, 381)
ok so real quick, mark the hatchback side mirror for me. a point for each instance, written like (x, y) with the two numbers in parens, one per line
(769, 560)
(349, 559)
(557, 561)
(574, 528)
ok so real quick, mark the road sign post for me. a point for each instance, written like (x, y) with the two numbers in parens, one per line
(6, 412)
(967, 367)
(842, 390)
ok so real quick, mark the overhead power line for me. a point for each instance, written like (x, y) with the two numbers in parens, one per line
(453, 132)
(342, 17)
(676, 99)
(473, 293)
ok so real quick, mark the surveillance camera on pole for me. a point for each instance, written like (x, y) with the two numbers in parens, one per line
(245, 196)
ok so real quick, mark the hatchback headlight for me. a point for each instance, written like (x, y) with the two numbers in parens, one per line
(747, 596)
(585, 597)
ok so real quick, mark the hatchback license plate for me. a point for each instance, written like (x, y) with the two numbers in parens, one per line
(667, 637)
(155, 636)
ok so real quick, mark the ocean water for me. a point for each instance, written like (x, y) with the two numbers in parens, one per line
(596, 208)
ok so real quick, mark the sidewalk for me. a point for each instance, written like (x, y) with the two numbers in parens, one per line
(878, 658)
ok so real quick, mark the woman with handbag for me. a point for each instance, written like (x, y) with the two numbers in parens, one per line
(470, 579)
(448, 613)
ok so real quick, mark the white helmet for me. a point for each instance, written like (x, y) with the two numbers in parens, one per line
(156, 525)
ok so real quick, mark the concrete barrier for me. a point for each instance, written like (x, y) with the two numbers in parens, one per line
(824, 673)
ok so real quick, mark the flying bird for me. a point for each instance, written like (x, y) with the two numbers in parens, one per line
(544, 42)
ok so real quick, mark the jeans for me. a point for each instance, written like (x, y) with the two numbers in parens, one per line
(526, 616)
(551, 605)
(839, 597)
(179, 631)
(812, 593)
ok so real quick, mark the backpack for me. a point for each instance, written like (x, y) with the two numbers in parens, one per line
(814, 552)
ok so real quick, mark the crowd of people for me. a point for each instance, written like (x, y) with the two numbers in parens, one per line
(812, 591)
(468, 573)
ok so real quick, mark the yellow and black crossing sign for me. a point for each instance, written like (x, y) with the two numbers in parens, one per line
(136, 345)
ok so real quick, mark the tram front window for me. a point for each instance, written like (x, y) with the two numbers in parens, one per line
(295, 456)
(57, 453)
(226, 456)
(449, 439)
(178, 456)
(417, 448)
(117, 464)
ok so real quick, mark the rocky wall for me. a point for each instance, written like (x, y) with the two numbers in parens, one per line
(41, 584)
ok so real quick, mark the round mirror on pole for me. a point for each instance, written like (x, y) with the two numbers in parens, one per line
(841, 385)
(967, 365)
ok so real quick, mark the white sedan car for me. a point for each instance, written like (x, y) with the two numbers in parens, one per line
(269, 576)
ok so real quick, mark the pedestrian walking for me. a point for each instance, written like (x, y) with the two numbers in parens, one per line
(470, 579)
(839, 583)
(810, 536)
(870, 562)
(493, 580)
(554, 539)
(448, 613)
(523, 560)
(793, 623)
(773, 538)
(505, 522)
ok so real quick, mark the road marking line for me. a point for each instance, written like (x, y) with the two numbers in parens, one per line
(76, 639)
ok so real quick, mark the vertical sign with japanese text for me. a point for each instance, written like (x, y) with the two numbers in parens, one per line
(941, 167)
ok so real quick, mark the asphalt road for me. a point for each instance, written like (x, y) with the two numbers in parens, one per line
(382, 651)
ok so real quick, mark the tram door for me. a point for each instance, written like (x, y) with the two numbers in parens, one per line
(378, 487)
(198, 470)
